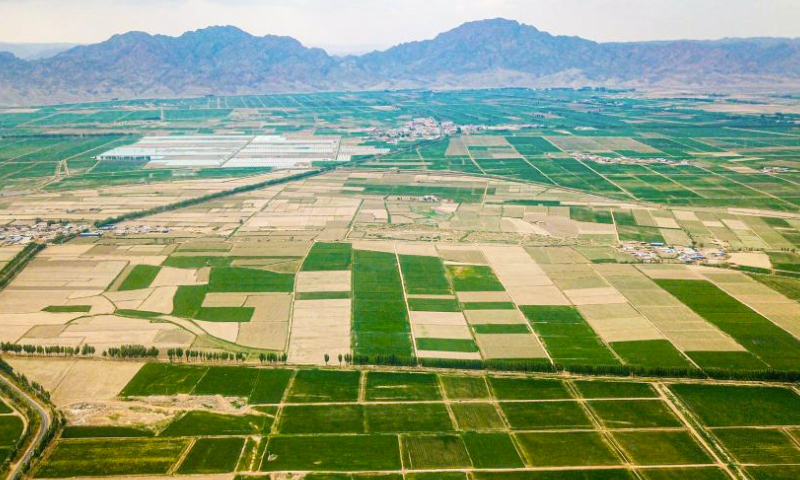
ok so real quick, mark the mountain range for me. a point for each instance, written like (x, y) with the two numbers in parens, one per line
(487, 53)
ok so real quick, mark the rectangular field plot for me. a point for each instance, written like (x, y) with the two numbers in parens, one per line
(463, 387)
(568, 415)
(474, 278)
(200, 423)
(212, 455)
(510, 388)
(424, 275)
(560, 449)
(333, 453)
(492, 450)
(74, 458)
(164, 379)
(386, 386)
(477, 416)
(426, 452)
(316, 386)
(322, 419)
(634, 414)
(759, 446)
(663, 448)
(380, 319)
(598, 389)
(328, 257)
(695, 473)
(732, 406)
(419, 417)
(651, 354)
(601, 474)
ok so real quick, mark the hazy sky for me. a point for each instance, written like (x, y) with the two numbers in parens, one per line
(358, 25)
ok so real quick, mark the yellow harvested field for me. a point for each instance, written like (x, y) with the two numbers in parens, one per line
(524, 280)
(685, 216)
(669, 272)
(269, 326)
(106, 202)
(619, 323)
(681, 325)
(441, 331)
(105, 331)
(675, 237)
(456, 148)
(662, 222)
(510, 346)
(461, 254)
(170, 276)
(66, 379)
(595, 296)
(319, 327)
(538, 296)
(331, 281)
(421, 249)
(160, 300)
(499, 317)
(228, 331)
(751, 259)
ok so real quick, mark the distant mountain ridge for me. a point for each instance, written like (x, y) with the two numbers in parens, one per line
(488, 53)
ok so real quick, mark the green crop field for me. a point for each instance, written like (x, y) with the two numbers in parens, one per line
(438, 425)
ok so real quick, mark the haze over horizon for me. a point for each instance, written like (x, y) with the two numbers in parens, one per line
(358, 26)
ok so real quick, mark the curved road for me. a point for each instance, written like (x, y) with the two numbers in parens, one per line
(44, 425)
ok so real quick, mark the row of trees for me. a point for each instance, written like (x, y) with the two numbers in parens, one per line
(272, 357)
(19, 262)
(9, 347)
(176, 354)
(131, 351)
(206, 198)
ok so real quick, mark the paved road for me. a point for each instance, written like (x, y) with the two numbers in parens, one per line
(43, 413)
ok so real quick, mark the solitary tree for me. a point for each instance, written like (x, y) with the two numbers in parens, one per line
(327, 358)
(340, 359)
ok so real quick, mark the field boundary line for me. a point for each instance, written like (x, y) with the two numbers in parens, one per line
(695, 428)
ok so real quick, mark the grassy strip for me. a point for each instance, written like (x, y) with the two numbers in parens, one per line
(68, 309)
(446, 345)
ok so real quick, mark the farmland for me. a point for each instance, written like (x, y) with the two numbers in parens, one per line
(339, 422)
(558, 284)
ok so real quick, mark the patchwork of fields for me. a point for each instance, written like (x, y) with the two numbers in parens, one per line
(345, 264)
(508, 230)
(345, 423)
